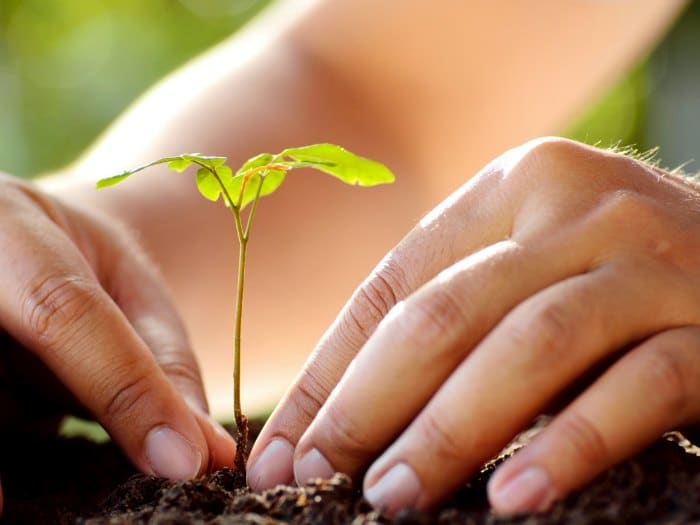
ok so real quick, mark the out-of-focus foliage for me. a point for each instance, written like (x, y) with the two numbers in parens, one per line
(68, 67)
(619, 116)
(673, 110)
(657, 104)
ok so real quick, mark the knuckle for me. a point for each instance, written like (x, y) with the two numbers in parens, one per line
(656, 230)
(546, 333)
(583, 439)
(552, 328)
(54, 307)
(670, 377)
(549, 147)
(435, 316)
(182, 372)
(545, 156)
(310, 395)
(376, 296)
(346, 437)
(435, 435)
(623, 204)
(124, 402)
(660, 232)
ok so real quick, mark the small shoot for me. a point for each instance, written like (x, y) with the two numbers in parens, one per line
(257, 177)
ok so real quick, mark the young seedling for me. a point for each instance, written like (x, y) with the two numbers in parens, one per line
(257, 177)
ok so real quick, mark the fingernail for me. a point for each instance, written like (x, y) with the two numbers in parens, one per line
(273, 466)
(311, 466)
(398, 488)
(529, 491)
(171, 455)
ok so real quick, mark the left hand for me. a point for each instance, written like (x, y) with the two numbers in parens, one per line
(555, 259)
(87, 327)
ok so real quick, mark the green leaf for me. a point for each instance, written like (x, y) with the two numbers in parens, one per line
(255, 162)
(340, 163)
(207, 184)
(184, 161)
(292, 164)
(328, 158)
(178, 163)
(114, 179)
(271, 180)
(207, 160)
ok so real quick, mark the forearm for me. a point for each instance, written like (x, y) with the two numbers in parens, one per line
(432, 93)
(470, 79)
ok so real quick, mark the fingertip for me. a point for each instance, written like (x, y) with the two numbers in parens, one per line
(270, 462)
(397, 488)
(313, 464)
(171, 455)
(222, 446)
(272, 466)
(521, 490)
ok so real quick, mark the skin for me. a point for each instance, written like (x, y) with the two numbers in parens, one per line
(78, 301)
(525, 293)
(75, 279)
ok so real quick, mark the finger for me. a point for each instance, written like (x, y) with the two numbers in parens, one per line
(222, 447)
(51, 302)
(534, 354)
(415, 350)
(164, 336)
(647, 392)
(132, 281)
(465, 222)
(137, 288)
(139, 291)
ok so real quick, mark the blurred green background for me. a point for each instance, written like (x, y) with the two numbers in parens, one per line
(68, 67)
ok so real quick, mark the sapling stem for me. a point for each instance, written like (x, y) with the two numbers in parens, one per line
(239, 417)
(243, 235)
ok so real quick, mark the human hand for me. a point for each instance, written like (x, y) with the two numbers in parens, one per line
(557, 263)
(87, 322)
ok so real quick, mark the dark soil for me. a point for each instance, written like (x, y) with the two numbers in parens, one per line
(73, 481)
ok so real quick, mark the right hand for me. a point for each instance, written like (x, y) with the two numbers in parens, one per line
(561, 279)
(91, 328)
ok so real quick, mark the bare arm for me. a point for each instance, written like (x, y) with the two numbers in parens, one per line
(433, 93)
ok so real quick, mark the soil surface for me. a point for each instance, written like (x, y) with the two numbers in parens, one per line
(63, 481)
